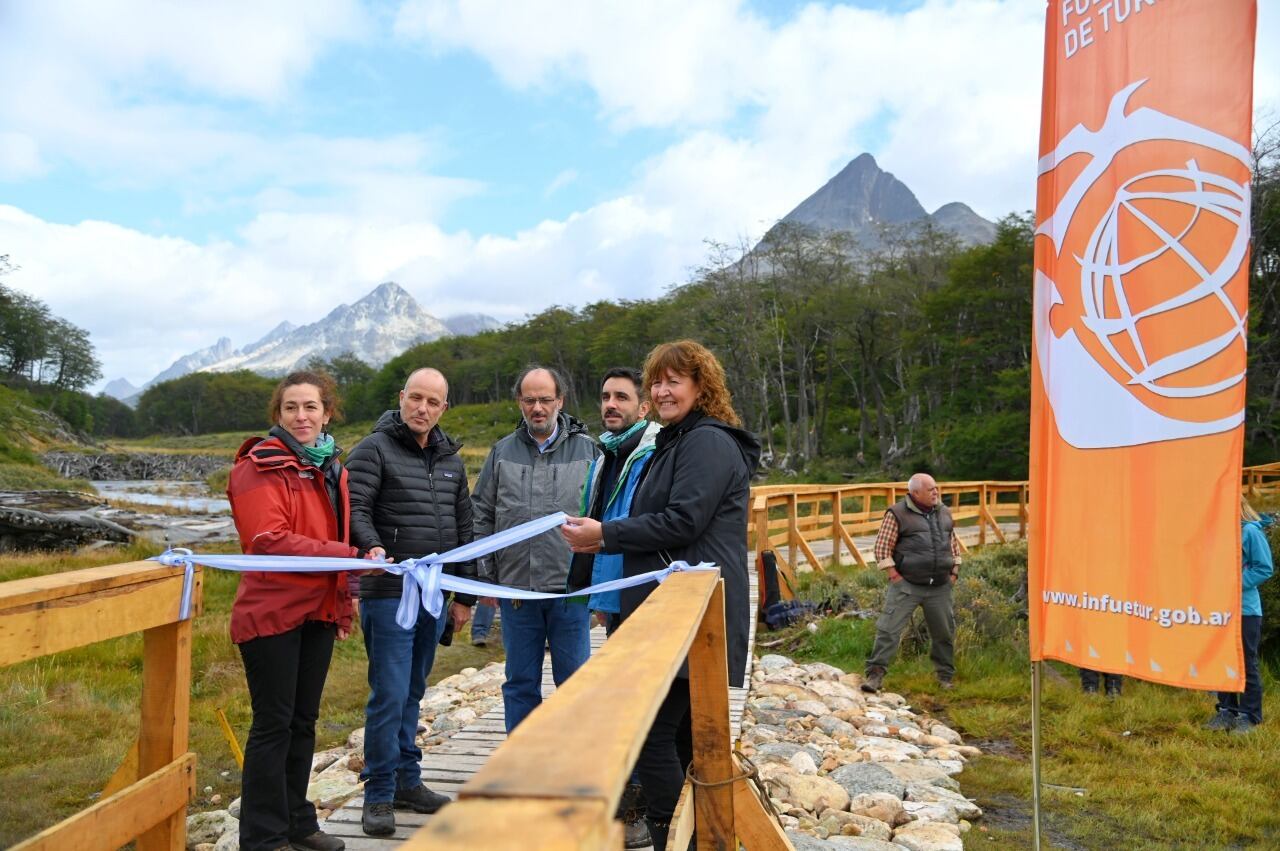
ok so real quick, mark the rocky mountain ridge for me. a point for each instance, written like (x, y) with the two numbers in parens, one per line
(863, 200)
(376, 328)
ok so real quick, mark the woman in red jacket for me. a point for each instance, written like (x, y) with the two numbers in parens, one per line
(289, 497)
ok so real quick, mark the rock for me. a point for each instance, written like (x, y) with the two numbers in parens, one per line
(928, 836)
(786, 691)
(930, 741)
(777, 717)
(881, 806)
(834, 727)
(230, 841)
(928, 793)
(861, 843)
(331, 791)
(932, 811)
(203, 846)
(968, 751)
(922, 771)
(322, 760)
(942, 731)
(455, 720)
(859, 778)
(810, 707)
(772, 662)
(234, 808)
(803, 763)
(783, 751)
(209, 827)
(822, 671)
(771, 702)
(811, 792)
(760, 733)
(882, 749)
(805, 842)
(356, 740)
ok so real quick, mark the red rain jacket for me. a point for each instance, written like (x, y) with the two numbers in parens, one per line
(281, 507)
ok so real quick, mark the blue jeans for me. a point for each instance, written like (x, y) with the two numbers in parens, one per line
(482, 621)
(399, 661)
(527, 627)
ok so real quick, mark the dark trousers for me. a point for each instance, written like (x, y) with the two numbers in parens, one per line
(286, 676)
(1248, 704)
(1090, 678)
(666, 753)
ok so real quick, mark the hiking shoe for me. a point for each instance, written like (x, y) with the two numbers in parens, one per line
(945, 685)
(637, 834)
(1223, 720)
(873, 680)
(1241, 726)
(378, 819)
(318, 841)
(420, 799)
(1091, 688)
(479, 641)
(1113, 690)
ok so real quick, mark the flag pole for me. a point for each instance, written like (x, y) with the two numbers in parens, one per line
(1035, 753)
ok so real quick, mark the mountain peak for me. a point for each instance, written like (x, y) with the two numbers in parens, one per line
(863, 200)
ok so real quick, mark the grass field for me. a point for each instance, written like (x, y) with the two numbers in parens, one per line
(1137, 772)
(67, 720)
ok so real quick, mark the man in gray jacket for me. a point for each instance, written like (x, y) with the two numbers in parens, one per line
(536, 470)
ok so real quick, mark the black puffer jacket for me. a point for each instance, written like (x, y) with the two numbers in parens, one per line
(693, 506)
(409, 500)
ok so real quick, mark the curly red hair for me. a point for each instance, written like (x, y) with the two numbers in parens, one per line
(692, 359)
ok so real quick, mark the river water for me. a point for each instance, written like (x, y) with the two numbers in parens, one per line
(188, 496)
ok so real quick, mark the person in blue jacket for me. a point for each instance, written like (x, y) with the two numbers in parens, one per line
(1239, 712)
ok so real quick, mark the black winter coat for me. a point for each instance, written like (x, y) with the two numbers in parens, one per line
(693, 505)
(409, 500)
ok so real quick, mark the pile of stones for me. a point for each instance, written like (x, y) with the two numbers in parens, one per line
(446, 708)
(850, 770)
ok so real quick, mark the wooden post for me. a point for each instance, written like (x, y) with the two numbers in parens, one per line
(709, 713)
(166, 703)
(1022, 511)
(836, 525)
(982, 525)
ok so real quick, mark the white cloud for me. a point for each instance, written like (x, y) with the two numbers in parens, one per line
(19, 157)
(560, 181)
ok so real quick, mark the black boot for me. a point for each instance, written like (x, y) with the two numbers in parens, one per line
(658, 833)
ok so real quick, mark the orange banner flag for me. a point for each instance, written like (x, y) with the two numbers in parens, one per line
(1141, 305)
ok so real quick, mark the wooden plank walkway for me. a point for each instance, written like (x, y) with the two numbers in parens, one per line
(449, 765)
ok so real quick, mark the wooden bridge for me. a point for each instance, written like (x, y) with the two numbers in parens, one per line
(538, 788)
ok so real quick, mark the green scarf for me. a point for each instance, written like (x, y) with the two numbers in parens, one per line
(321, 452)
(611, 441)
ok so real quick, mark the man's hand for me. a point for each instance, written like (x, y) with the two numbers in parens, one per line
(460, 614)
(377, 554)
(582, 534)
(488, 601)
(602, 619)
(894, 575)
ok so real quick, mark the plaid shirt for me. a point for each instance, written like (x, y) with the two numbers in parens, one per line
(887, 539)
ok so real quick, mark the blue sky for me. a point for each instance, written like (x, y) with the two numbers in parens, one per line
(174, 173)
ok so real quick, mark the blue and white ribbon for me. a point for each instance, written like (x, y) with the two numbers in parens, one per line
(424, 578)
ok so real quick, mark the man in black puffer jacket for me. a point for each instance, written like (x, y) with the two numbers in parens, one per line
(409, 498)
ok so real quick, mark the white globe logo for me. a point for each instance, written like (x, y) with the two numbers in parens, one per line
(1092, 409)
(1104, 270)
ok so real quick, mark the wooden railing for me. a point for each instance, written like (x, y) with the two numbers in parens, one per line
(555, 783)
(146, 799)
(790, 519)
(1262, 480)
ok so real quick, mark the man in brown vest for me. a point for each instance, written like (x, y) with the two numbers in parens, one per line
(917, 546)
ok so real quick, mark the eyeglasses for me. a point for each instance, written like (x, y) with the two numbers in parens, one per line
(530, 401)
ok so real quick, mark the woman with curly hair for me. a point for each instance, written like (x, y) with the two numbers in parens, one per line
(693, 506)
